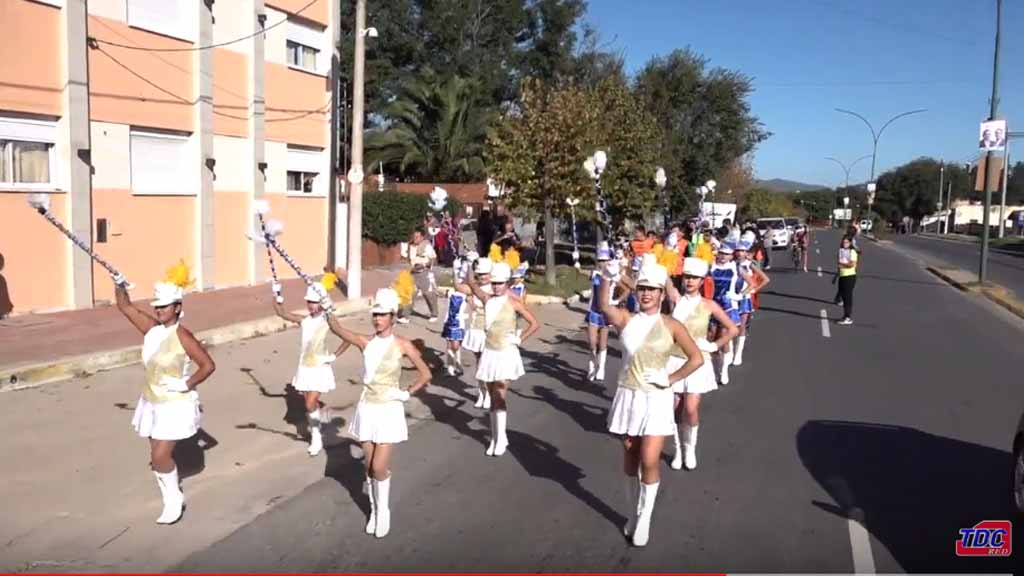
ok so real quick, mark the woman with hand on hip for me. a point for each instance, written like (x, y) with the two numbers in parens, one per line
(315, 374)
(641, 411)
(379, 421)
(168, 409)
(475, 336)
(695, 313)
(500, 363)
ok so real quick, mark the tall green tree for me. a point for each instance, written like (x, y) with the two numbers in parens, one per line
(705, 116)
(435, 131)
(538, 147)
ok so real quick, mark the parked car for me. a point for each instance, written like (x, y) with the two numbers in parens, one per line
(1017, 474)
(778, 235)
(792, 224)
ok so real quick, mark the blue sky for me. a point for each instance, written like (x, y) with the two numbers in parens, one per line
(808, 57)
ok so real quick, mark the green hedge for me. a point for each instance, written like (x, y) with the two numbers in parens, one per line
(390, 217)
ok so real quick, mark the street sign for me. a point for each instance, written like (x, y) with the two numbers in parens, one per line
(842, 214)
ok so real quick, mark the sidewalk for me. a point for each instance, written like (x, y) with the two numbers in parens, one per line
(31, 344)
(1008, 249)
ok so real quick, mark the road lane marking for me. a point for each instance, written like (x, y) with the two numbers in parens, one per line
(860, 545)
(819, 271)
(824, 324)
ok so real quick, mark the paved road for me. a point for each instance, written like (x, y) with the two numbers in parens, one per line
(902, 421)
(1003, 269)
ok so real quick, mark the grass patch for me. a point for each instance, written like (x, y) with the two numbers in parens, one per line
(569, 282)
(1008, 241)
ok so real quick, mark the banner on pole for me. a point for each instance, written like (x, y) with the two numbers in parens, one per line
(992, 136)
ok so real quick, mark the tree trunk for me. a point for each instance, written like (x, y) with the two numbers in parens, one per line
(549, 245)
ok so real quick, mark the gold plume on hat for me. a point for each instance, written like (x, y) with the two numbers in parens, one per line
(405, 287)
(180, 275)
(666, 257)
(329, 281)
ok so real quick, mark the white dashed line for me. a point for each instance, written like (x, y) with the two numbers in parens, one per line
(824, 324)
(860, 545)
(819, 271)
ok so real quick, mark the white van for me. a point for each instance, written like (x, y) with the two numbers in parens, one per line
(777, 235)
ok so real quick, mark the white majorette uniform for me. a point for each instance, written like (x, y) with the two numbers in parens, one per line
(639, 407)
(500, 361)
(315, 373)
(695, 316)
(380, 417)
(163, 413)
(475, 336)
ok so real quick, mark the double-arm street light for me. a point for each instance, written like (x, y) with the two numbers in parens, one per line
(846, 170)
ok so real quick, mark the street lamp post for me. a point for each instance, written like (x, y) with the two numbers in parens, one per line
(595, 166)
(846, 169)
(875, 136)
(661, 180)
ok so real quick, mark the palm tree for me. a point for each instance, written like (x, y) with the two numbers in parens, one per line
(434, 130)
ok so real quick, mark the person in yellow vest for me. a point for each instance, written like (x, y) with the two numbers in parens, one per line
(642, 410)
(695, 312)
(379, 421)
(315, 373)
(848, 257)
(168, 409)
(500, 363)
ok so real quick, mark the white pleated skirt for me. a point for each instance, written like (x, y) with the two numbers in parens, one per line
(701, 381)
(500, 365)
(175, 420)
(314, 378)
(638, 413)
(474, 340)
(380, 423)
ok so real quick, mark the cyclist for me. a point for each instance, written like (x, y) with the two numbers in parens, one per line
(801, 239)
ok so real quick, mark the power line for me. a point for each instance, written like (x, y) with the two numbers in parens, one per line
(197, 48)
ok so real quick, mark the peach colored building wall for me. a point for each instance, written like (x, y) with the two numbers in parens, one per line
(147, 235)
(319, 12)
(305, 233)
(117, 95)
(30, 58)
(230, 93)
(34, 255)
(231, 249)
(297, 106)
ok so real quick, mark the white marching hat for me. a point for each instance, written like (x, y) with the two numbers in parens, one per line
(604, 252)
(652, 275)
(385, 302)
(165, 293)
(695, 267)
(484, 266)
(520, 270)
(314, 295)
(501, 272)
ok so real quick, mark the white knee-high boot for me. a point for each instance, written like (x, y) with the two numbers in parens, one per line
(449, 361)
(602, 355)
(487, 397)
(648, 494)
(501, 422)
(481, 393)
(316, 442)
(382, 489)
(592, 366)
(174, 500)
(371, 523)
(690, 445)
(677, 457)
(494, 433)
(458, 359)
(741, 341)
(726, 361)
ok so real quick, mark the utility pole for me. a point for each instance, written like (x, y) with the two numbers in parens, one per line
(942, 175)
(993, 110)
(332, 194)
(355, 173)
(949, 204)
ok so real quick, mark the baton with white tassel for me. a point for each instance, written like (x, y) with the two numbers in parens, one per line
(262, 207)
(273, 229)
(41, 203)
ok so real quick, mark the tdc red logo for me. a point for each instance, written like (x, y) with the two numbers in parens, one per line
(987, 538)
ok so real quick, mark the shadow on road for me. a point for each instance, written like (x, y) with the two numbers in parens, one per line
(190, 454)
(791, 312)
(551, 364)
(589, 417)
(914, 490)
(345, 466)
(540, 459)
(294, 407)
(795, 296)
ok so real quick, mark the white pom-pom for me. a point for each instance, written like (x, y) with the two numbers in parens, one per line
(261, 206)
(275, 228)
(256, 237)
(39, 201)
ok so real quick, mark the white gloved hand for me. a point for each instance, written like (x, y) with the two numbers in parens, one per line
(276, 288)
(279, 299)
(515, 339)
(658, 378)
(735, 296)
(398, 395)
(707, 346)
(326, 303)
(119, 279)
(174, 384)
(575, 255)
(327, 359)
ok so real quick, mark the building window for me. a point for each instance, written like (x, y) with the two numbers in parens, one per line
(27, 153)
(301, 181)
(302, 56)
(160, 164)
(174, 18)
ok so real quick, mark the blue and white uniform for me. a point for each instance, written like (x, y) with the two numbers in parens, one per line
(594, 316)
(455, 323)
(726, 276)
(745, 268)
(518, 289)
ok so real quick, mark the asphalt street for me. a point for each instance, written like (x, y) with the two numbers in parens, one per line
(861, 451)
(1004, 269)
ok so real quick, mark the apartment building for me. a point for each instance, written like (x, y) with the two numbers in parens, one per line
(154, 125)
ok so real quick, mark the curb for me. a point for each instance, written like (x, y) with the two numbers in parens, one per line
(32, 375)
(995, 293)
(997, 249)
